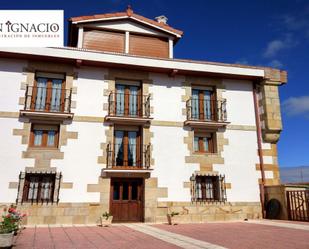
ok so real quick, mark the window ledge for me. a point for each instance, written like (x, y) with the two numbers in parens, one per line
(205, 154)
(43, 149)
(111, 172)
(46, 115)
(205, 124)
(128, 120)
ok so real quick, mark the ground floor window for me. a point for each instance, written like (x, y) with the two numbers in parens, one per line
(39, 187)
(208, 188)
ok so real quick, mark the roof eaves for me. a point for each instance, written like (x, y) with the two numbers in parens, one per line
(124, 15)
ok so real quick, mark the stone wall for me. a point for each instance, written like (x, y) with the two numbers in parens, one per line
(155, 212)
(203, 212)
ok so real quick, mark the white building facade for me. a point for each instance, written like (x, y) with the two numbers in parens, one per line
(114, 123)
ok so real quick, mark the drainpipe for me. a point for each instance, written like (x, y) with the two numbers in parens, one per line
(260, 152)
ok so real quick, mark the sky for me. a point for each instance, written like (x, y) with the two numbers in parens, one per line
(262, 32)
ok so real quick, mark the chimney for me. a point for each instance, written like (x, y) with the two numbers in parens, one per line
(161, 19)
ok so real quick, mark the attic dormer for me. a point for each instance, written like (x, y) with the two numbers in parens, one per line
(124, 32)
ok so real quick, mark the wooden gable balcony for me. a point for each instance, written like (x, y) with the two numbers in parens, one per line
(128, 108)
(47, 102)
(206, 113)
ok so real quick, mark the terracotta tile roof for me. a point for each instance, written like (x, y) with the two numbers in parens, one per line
(128, 14)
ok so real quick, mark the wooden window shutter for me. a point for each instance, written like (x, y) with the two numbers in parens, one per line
(104, 41)
(148, 46)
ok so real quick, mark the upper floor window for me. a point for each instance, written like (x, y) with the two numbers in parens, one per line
(204, 142)
(48, 92)
(208, 188)
(128, 100)
(44, 136)
(203, 104)
(39, 187)
(127, 148)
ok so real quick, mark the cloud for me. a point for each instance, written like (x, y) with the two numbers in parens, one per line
(294, 23)
(274, 46)
(275, 63)
(296, 106)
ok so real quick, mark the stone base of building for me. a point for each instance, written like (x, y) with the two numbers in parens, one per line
(89, 213)
(204, 212)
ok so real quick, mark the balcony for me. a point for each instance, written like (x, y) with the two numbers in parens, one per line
(47, 102)
(127, 159)
(203, 113)
(130, 108)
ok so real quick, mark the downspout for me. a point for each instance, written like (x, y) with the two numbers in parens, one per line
(260, 152)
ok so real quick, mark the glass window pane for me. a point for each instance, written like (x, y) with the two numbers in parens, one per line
(41, 90)
(38, 136)
(51, 138)
(116, 191)
(209, 188)
(119, 147)
(205, 143)
(196, 147)
(46, 187)
(133, 100)
(120, 96)
(195, 104)
(207, 104)
(56, 95)
(132, 148)
(125, 191)
(33, 188)
(134, 191)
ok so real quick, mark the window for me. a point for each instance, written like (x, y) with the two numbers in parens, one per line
(128, 99)
(44, 136)
(39, 187)
(203, 104)
(204, 142)
(127, 148)
(48, 92)
(208, 188)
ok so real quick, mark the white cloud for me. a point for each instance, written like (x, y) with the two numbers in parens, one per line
(275, 63)
(294, 106)
(274, 46)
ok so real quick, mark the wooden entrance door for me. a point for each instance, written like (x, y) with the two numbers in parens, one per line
(127, 199)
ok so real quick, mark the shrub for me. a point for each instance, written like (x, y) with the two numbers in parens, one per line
(106, 215)
(11, 221)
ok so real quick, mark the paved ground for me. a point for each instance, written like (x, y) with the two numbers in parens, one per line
(87, 237)
(234, 235)
(241, 235)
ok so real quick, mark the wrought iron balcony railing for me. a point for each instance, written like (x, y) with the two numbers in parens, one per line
(129, 105)
(130, 156)
(206, 110)
(48, 99)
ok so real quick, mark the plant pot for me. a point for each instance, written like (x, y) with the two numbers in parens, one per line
(106, 222)
(6, 240)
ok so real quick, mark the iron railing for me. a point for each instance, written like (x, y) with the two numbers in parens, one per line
(129, 105)
(48, 99)
(208, 188)
(206, 110)
(128, 156)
